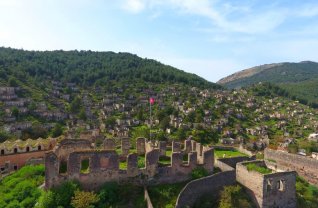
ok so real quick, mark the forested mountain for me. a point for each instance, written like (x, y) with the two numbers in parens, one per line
(88, 68)
(300, 80)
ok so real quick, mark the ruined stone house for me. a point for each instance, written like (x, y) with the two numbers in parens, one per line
(67, 160)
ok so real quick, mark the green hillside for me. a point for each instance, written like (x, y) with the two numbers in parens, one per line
(299, 79)
(88, 68)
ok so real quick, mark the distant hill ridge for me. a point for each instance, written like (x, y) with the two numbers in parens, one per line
(299, 79)
(246, 73)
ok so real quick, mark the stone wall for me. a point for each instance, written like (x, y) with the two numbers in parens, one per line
(231, 162)
(305, 166)
(16, 161)
(67, 146)
(103, 166)
(226, 164)
(210, 185)
(268, 190)
(147, 198)
(245, 151)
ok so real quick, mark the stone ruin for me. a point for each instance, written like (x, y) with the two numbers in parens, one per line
(275, 189)
(68, 159)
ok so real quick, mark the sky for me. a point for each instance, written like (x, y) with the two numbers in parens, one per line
(211, 38)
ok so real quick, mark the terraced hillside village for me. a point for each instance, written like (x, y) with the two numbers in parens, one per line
(100, 103)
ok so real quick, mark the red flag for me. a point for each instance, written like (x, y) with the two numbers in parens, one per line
(152, 101)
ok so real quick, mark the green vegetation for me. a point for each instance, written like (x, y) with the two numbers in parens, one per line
(123, 165)
(165, 196)
(230, 197)
(307, 195)
(271, 160)
(20, 189)
(83, 199)
(63, 167)
(140, 163)
(70, 195)
(227, 153)
(199, 172)
(297, 80)
(258, 168)
(58, 197)
(87, 68)
(85, 166)
(164, 160)
(234, 196)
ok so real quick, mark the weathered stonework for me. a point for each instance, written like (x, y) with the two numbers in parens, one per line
(304, 166)
(141, 146)
(109, 144)
(103, 166)
(162, 148)
(268, 190)
(187, 146)
(14, 155)
(176, 146)
(125, 146)
(67, 146)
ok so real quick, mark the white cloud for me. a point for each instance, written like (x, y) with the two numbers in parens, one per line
(134, 6)
(248, 21)
(245, 18)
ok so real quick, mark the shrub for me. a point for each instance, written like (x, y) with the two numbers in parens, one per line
(255, 167)
(58, 197)
(199, 172)
(234, 197)
(83, 199)
(21, 188)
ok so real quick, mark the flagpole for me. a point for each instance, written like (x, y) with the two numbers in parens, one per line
(150, 120)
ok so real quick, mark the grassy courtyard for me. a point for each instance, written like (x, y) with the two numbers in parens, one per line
(227, 153)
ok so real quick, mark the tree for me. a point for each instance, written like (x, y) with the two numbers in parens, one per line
(234, 197)
(75, 105)
(13, 82)
(181, 134)
(164, 123)
(140, 115)
(57, 130)
(4, 136)
(190, 117)
(82, 115)
(15, 112)
(83, 199)
(110, 121)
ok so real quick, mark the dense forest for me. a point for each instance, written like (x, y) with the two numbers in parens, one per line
(88, 68)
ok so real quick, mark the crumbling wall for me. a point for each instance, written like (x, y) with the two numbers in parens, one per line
(67, 146)
(187, 146)
(16, 161)
(103, 165)
(176, 146)
(125, 146)
(208, 159)
(226, 164)
(109, 144)
(268, 190)
(210, 185)
(152, 159)
(141, 146)
(162, 148)
(305, 167)
(52, 177)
